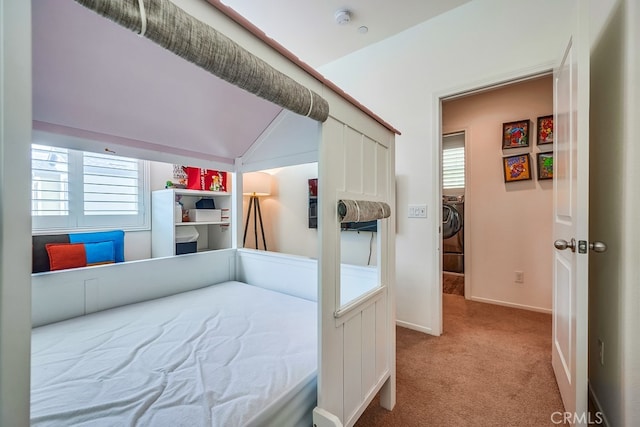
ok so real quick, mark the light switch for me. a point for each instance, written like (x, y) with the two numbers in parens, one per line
(417, 211)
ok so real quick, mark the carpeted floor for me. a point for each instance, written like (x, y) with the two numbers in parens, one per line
(491, 367)
(453, 284)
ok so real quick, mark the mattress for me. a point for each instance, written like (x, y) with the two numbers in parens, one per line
(230, 354)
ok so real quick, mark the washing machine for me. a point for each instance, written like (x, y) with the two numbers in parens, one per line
(453, 234)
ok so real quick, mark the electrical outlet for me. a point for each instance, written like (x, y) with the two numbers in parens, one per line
(519, 277)
(601, 350)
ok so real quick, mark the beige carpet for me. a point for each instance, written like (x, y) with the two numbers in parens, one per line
(491, 367)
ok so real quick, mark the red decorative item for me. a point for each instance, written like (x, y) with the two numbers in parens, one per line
(205, 179)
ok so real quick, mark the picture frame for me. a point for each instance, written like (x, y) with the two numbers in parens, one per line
(515, 134)
(516, 168)
(545, 165)
(544, 130)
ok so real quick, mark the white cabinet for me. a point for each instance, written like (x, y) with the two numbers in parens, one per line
(212, 234)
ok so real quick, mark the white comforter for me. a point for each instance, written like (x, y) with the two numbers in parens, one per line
(216, 356)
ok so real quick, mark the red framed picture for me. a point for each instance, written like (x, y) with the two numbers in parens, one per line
(515, 134)
(545, 130)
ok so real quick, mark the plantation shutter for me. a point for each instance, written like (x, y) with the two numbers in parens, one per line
(81, 190)
(111, 185)
(453, 163)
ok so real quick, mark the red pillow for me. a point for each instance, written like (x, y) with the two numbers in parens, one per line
(66, 255)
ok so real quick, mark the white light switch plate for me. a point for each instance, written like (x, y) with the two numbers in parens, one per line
(417, 211)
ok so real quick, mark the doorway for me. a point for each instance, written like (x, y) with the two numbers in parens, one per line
(453, 221)
(506, 224)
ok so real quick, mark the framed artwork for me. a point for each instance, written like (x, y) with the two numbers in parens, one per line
(516, 168)
(545, 130)
(515, 134)
(545, 166)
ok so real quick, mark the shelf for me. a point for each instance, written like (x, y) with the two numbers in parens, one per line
(213, 230)
(201, 193)
(202, 223)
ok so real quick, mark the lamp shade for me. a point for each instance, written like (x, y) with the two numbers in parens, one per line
(256, 184)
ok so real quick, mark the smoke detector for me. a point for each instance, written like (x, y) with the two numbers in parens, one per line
(343, 17)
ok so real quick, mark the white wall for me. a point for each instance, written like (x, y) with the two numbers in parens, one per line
(614, 209)
(508, 226)
(479, 43)
(285, 217)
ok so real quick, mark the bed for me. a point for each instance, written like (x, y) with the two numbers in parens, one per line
(230, 354)
(148, 103)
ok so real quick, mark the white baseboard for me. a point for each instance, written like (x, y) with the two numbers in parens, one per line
(510, 304)
(598, 407)
(415, 327)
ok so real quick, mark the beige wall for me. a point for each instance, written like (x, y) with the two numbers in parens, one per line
(286, 221)
(508, 225)
(285, 213)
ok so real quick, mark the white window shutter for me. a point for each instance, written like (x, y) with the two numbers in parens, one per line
(453, 167)
(75, 190)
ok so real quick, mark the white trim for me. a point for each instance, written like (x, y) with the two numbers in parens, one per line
(15, 211)
(511, 304)
(435, 302)
(415, 327)
(83, 140)
(358, 305)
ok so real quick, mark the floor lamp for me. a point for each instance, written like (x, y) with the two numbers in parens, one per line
(255, 185)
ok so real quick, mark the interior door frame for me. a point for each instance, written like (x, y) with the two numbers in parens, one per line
(493, 82)
(466, 234)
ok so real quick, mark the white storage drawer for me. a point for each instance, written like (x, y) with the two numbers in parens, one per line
(205, 215)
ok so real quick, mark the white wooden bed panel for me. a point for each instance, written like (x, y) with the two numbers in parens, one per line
(296, 275)
(369, 153)
(289, 274)
(289, 140)
(353, 164)
(381, 347)
(369, 353)
(60, 295)
(345, 147)
(331, 349)
(353, 353)
(375, 369)
(382, 180)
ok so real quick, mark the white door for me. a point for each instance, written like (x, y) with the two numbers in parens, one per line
(571, 219)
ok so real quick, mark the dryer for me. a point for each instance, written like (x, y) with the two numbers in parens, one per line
(453, 234)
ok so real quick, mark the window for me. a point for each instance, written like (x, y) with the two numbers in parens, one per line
(80, 190)
(453, 161)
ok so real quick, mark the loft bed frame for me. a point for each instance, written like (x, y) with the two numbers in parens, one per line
(355, 153)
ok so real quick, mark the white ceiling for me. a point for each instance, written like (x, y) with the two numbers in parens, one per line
(309, 30)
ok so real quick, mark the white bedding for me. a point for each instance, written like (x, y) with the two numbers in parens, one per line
(217, 356)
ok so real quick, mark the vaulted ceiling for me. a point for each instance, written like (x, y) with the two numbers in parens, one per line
(308, 28)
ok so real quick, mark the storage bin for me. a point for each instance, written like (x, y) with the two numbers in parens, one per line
(186, 233)
(205, 215)
(186, 248)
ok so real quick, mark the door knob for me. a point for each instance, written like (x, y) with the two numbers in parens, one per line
(562, 244)
(597, 247)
